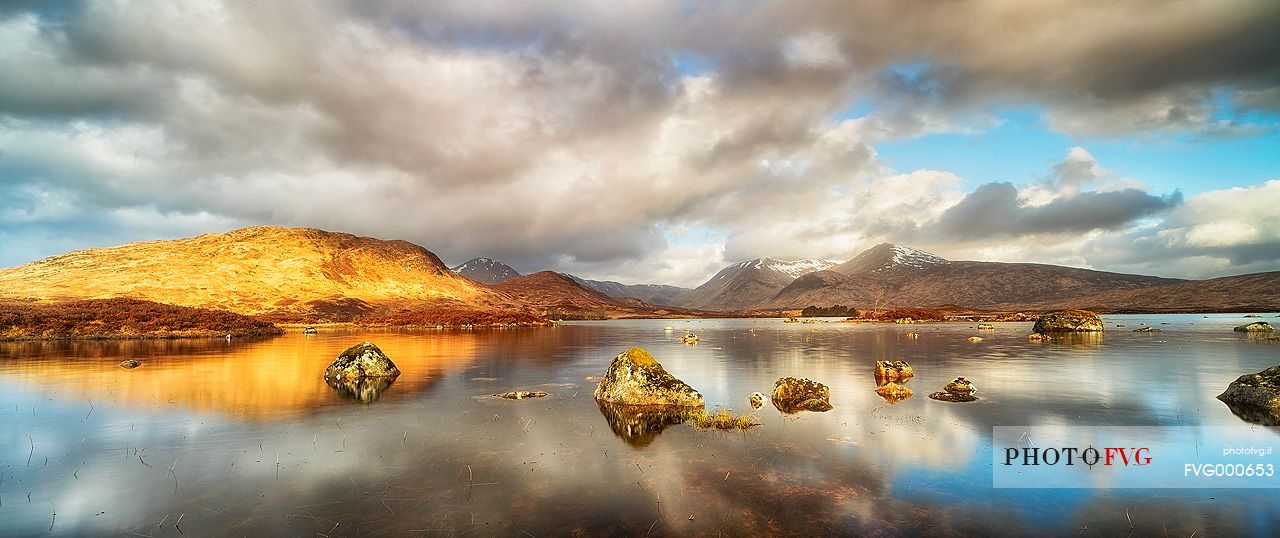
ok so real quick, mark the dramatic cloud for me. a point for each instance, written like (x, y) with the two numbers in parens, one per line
(639, 141)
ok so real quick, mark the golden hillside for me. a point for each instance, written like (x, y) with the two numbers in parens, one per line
(257, 270)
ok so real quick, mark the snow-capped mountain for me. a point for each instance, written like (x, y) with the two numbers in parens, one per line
(793, 269)
(485, 270)
(886, 256)
(751, 283)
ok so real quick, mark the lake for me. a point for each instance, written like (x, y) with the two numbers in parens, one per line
(244, 437)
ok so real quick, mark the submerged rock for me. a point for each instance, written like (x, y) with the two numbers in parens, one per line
(635, 378)
(1260, 390)
(894, 392)
(974, 339)
(958, 390)
(794, 394)
(689, 339)
(1255, 327)
(1147, 330)
(986, 327)
(756, 399)
(130, 364)
(363, 360)
(893, 371)
(912, 335)
(1035, 337)
(1068, 321)
(521, 394)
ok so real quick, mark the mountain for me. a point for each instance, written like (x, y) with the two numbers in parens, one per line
(750, 284)
(656, 294)
(560, 296)
(888, 256)
(258, 270)
(485, 270)
(895, 276)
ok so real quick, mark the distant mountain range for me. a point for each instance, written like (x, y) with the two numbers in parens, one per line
(315, 274)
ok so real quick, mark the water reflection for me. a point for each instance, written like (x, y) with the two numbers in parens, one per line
(638, 425)
(259, 445)
(363, 390)
(1256, 415)
(250, 379)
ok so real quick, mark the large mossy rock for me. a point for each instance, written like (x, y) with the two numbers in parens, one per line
(635, 378)
(1068, 321)
(361, 361)
(1255, 327)
(1260, 390)
(793, 394)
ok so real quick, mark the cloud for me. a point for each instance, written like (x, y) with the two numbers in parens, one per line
(563, 134)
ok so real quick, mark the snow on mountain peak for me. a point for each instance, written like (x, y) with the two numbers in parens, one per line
(793, 269)
(917, 258)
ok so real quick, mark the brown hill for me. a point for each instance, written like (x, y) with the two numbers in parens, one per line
(559, 296)
(1257, 292)
(256, 270)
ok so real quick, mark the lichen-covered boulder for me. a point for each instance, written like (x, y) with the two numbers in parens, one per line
(793, 394)
(1068, 321)
(635, 378)
(893, 371)
(756, 400)
(1255, 327)
(958, 390)
(893, 392)
(1260, 390)
(363, 360)
(130, 364)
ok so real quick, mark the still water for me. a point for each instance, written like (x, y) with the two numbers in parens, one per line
(211, 437)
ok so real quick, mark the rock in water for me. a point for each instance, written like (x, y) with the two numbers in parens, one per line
(310, 330)
(756, 399)
(1147, 330)
(635, 378)
(1255, 327)
(793, 394)
(974, 339)
(130, 364)
(958, 390)
(1068, 321)
(893, 371)
(522, 394)
(986, 327)
(1260, 390)
(894, 392)
(361, 361)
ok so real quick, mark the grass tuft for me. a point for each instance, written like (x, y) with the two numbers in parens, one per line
(723, 420)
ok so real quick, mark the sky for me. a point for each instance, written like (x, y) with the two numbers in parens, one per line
(654, 141)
